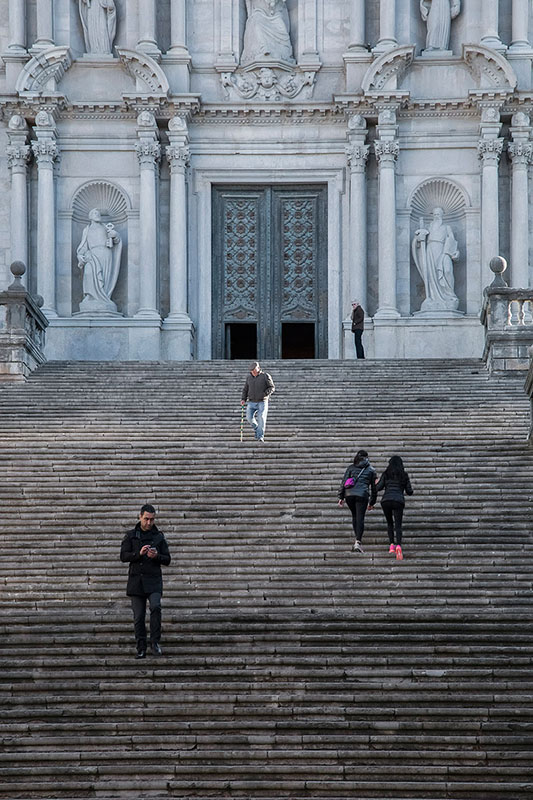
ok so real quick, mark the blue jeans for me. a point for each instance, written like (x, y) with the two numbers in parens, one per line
(256, 415)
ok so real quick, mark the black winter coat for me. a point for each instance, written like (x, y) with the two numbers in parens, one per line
(394, 489)
(144, 575)
(364, 476)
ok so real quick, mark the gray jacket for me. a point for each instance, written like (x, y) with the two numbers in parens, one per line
(257, 387)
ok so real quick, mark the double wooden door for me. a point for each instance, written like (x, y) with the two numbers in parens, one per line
(270, 272)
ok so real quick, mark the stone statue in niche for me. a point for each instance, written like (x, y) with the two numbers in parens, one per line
(99, 254)
(438, 15)
(434, 251)
(99, 22)
(266, 35)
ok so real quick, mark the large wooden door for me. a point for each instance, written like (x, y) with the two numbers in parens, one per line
(270, 272)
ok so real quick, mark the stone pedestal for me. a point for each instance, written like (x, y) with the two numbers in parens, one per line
(22, 327)
(508, 320)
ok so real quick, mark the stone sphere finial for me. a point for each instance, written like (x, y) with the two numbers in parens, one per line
(498, 265)
(39, 299)
(18, 268)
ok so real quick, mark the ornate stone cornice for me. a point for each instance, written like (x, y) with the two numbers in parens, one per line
(146, 72)
(387, 152)
(387, 71)
(489, 68)
(490, 150)
(45, 70)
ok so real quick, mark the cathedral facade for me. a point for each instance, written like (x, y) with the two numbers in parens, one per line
(222, 178)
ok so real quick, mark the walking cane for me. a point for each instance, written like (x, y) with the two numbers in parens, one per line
(242, 421)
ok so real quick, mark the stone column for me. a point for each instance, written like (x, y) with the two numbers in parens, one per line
(18, 156)
(17, 26)
(357, 26)
(520, 152)
(387, 152)
(489, 151)
(357, 153)
(147, 28)
(178, 28)
(148, 153)
(490, 25)
(387, 26)
(520, 26)
(46, 154)
(45, 25)
(178, 155)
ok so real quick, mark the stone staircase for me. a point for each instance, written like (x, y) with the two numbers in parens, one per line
(292, 667)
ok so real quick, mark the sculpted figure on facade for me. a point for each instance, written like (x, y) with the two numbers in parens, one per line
(266, 34)
(99, 21)
(438, 15)
(99, 254)
(434, 251)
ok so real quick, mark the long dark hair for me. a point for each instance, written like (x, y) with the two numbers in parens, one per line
(360, 456)
(395, 470)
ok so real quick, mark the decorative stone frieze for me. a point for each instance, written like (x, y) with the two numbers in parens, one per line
(269, 82)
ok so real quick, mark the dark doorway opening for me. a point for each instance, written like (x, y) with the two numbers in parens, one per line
(298, 340)
(241, 340)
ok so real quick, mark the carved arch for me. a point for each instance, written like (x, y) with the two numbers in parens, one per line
(45, 70)
(111, 199)
(386, 72)
(146, 72)
(438, 192)
(489, 68)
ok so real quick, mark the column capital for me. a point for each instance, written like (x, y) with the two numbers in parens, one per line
(178, 157)
(387, 152)
(357, 155)
(490, 150)
(18, 156)
(520, 153)
(46, 152)
(148, 153)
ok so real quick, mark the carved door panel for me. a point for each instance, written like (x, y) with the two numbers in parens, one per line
(270, 272)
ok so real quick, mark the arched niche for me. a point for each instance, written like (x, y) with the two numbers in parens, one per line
(115, 207)
(442, 193)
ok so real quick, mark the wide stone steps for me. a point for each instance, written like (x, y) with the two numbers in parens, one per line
(293, 668)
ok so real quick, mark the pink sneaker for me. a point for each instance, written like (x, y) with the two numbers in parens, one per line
(399, 554)
(392, 548)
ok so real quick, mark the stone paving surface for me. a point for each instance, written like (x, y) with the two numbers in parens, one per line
(292, 667)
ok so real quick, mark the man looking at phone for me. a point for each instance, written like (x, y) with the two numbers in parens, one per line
(145, 549)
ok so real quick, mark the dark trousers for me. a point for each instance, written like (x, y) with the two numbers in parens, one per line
(357, 506)
(359, 350)
(393, 511)
(138, 605)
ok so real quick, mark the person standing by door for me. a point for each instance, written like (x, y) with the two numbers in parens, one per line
(358, 326)
(257, 389)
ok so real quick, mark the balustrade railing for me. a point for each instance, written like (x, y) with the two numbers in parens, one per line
(507, 315)
(22, 329)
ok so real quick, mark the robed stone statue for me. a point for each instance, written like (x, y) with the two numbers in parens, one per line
(266, 35)
(434, 251)
(99, 22)
(99, 254)
(438, 15)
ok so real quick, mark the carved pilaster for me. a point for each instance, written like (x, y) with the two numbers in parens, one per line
(178, 157)
(46, 152)
(149, 154)
(357, 156)
(18, 156)
(521, 153)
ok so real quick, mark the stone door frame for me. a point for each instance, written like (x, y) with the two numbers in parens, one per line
(201, 257)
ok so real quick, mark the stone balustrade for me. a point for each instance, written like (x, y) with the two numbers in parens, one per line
(22, 329)
(507, 315)
(529, 390)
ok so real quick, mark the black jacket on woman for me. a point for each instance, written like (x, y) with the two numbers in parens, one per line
(394, 488)
(144, 575)
(364, 476)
